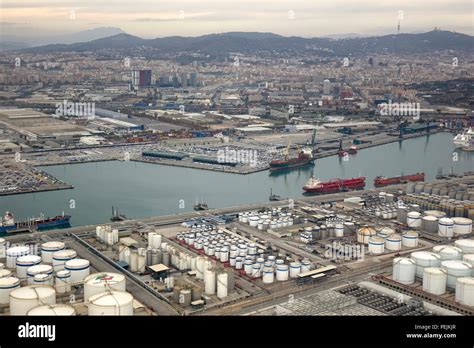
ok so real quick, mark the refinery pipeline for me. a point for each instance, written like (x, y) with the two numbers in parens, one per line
(400, 250)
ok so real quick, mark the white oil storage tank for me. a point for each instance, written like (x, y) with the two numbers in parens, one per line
(209, 282)
(99, 282)
(425, 259)
(38, 269)
(376, 245)
(414, 219)
(282, 272)
(456, 269)
(63, 281)
(25, 262)
(446, 227)
(25, 298)
(61, 310)
(364, 233)
(429, 223)
(111, 303)
(434, 280)
(7, 285)
(466, 245)
(61, 257)
(393, 242)
(5, 273)
(465, 291)
(222, 286)
(448, 252)
(79, 268)
(410, 239)
(462, 226)
(295, 269)
(404, 270)
(49, 248)
(14, 252)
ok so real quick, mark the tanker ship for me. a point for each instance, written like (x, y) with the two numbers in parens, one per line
(9, 225)
(334, 185)
(305, 157)
(383, 181)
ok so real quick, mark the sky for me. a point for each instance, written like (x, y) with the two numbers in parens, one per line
(160, 18)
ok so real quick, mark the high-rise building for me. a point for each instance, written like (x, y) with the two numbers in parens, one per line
(184, 80)
(193, 79)
(141, 78)
(327, 87)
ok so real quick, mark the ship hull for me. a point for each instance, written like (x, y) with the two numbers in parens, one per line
(275, 167)
(337, 186)
(380, 181)
(57, 222)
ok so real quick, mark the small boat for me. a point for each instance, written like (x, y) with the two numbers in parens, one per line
(274, 197)
(200, 206)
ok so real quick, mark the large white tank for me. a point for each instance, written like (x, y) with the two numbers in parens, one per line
(150, 239)
(414, 219)
(14, 252)
(305, 265)
(111, 303)
(134, 261)
(25, 298)
(295, 269)
(268, 275)
(448, 252)
(5, 273)
(7, 285)
(410, 239)
(25, 262)
(209, 282)
(43, 279)
(429, 223)
(465, 291)
(434, 280)
(156, 241)
(63, 281)
(339, 230)
(462, 226)
(61, 257)
(425, 259)
(385, 231)
(79, 268)
(393, 242)
(469, 258)
(200, 267)
(38, 269)
(282, 272)
(222, 285)
(466, 245)
(376, 245)
(364, 233)
(456, 269)
(52, 310)
(49, 248)
(446, 227)
(404, 270)
(99, 282)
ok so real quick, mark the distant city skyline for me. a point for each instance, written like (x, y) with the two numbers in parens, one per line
(28, 19)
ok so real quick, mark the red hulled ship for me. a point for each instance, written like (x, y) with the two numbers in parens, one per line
(383, 181)
(334, 185)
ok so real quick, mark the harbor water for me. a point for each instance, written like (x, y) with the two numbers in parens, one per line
(143, 189)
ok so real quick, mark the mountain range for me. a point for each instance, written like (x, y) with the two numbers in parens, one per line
(243, 42)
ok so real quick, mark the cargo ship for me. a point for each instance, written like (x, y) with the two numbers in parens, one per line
(8, 224)
(334, 185)
(383, 181)
(304, 158)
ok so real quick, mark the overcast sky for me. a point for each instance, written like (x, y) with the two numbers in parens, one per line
(158, 18)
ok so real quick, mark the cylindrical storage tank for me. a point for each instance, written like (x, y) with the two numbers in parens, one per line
(339, 230)
(446, 227)
(364, 233)
(5, 273)
(14, 252)
(79, 268)
(305, 266)
(165, 256)
(63, 281)
(429, 224)
(156, 241)
(25, 298)
(61, 257)
(100, 282)
(49, 248)
(466, 245)
(2, 248)
(404, 270)
(222, 285)
(456, 269)
(448, 252)
(43, 279)
(248, 265)
(393, 242)
(402, 212)
(134, 261)
(462, 226)
(150, 239)
(434, 280)
(256, 271)
(349, 228)
(111, 303)
(38, 269)
(7, 285)
(25, 262)
(295, 269)
(185, 296)
(469, 258)
(436, 213)
(414, 219)
(384, 232)
(200, 267)
(465, 291)
(376, 245)
(282, 272)
(209, 282)
(425, 259)
(52, 310)
(239, 262)
(410, 239)
(268, 275)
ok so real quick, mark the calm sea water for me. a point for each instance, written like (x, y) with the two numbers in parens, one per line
(141, 189)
